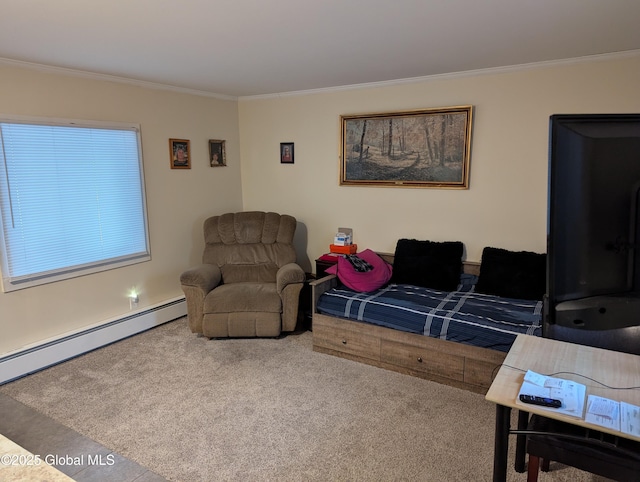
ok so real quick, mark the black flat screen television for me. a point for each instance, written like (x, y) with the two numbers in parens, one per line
(593, 232)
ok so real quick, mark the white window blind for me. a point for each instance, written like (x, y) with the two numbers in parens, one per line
(72, 201)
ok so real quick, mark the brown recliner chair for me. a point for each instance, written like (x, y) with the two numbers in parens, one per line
(248, 284)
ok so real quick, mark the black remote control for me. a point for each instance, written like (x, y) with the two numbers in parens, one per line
(545, 402)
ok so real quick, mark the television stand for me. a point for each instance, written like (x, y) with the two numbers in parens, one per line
(606, 312)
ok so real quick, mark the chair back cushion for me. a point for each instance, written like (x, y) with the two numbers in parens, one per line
(252, 273)
(249, 246)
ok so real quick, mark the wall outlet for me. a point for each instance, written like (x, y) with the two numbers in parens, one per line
(133, 301)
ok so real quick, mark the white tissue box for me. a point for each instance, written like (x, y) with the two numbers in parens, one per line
(342, 239)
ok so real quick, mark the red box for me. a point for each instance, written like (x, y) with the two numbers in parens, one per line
(350, 249)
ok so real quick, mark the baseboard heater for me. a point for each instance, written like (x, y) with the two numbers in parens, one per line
(50, 352)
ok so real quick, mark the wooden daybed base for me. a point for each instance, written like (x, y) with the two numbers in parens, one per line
(463, 366)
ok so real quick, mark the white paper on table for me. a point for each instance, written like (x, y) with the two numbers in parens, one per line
(535, 378)
(604, 412)
(570, 393)
(630, 419)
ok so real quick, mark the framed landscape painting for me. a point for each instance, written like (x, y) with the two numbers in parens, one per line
(421, 148)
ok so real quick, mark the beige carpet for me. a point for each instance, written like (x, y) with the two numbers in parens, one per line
(193, 409)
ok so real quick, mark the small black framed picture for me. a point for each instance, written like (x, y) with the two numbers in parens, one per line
(286, 152)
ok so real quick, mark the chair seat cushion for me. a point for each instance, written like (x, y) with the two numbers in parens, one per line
(243, 297)
(590, 450)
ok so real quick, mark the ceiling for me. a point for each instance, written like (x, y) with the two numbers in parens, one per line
(238, 48)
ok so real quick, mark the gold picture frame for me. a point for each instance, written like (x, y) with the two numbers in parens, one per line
(428, 148)
(179, 154)
(217, 153)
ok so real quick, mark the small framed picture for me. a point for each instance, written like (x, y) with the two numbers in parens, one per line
(179, 153)
(286, 152)
(217, 155)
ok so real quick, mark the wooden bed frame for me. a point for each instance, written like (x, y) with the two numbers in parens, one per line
(463, 366)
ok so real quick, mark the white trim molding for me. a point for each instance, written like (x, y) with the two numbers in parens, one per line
(51, 69)
(449, 75)
(44, 354)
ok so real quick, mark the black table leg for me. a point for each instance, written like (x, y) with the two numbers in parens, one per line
(521, 441)
(501, 448)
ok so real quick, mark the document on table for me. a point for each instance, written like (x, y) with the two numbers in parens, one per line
(603, 411)
(614, 415)
(630, 419)
(570, 393)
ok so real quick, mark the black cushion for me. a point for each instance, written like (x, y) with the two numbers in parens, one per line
(429, 264)
(512, 274)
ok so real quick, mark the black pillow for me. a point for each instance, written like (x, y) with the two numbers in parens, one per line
(428, 263)
(512, 274)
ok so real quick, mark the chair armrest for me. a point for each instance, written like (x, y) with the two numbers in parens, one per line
(319, 286)
(197, 283)
(287, 274)
(204, 277)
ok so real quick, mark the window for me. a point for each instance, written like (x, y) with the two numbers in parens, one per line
(71, 198)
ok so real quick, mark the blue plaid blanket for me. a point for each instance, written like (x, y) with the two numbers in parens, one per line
(462, 316)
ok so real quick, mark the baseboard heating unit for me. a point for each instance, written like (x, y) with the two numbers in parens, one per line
(50, 352)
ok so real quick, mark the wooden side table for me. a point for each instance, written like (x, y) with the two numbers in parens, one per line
(322, 265)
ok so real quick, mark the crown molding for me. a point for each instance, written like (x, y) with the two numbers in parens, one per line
(110, 78)
(452, 75)
(342, 88)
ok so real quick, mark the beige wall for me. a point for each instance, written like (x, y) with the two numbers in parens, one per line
(178, 200)
(505, 205)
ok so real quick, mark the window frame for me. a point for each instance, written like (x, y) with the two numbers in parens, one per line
(15, 283)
